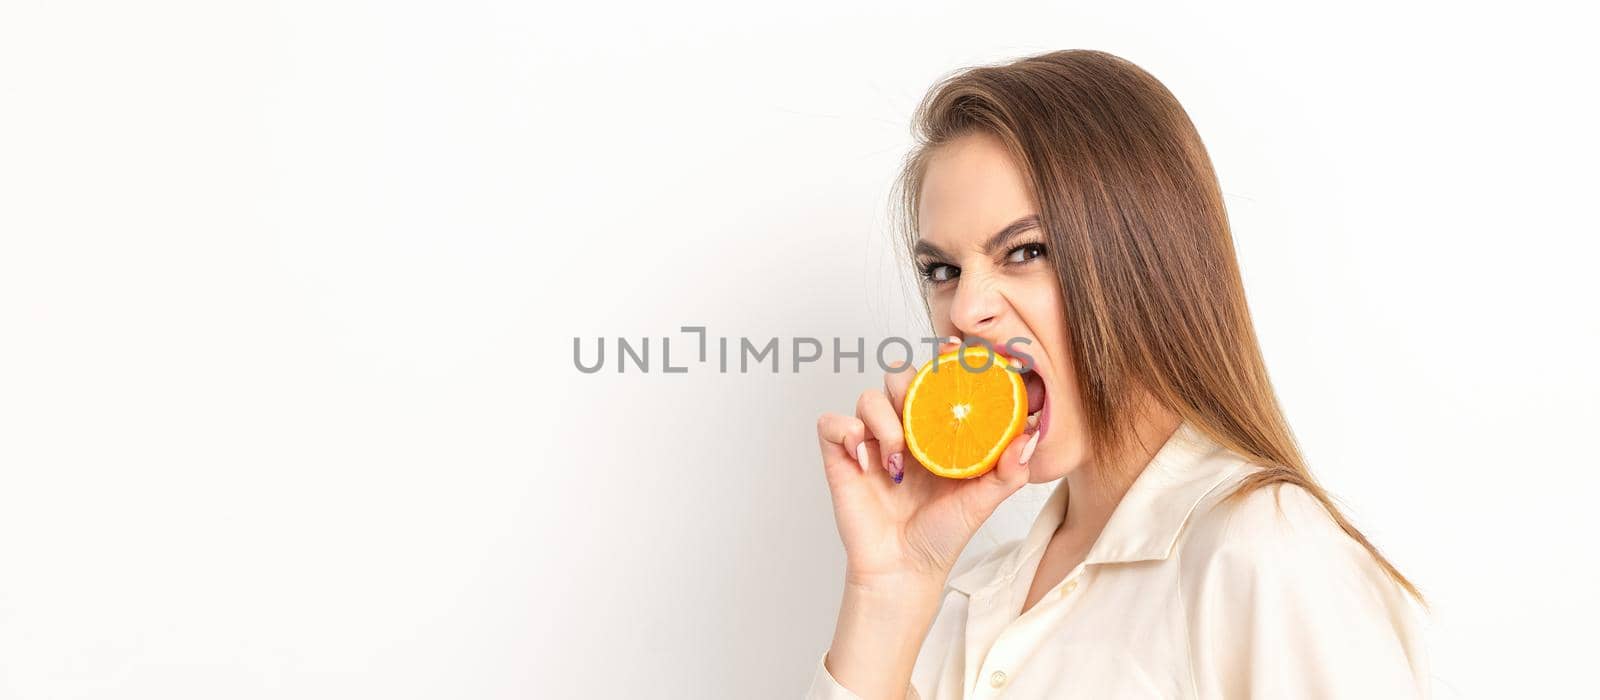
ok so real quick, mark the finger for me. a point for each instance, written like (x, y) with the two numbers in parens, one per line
(883, 423)
(1012, 471)
(896, 382)
(846, 433)
(987, 492)
(850, 486)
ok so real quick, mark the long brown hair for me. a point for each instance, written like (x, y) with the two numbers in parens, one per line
(1141, 244)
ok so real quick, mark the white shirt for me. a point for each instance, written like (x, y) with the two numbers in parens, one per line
(1180, 596)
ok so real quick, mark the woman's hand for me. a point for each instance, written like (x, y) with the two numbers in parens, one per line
(901, 535)
(903, 532)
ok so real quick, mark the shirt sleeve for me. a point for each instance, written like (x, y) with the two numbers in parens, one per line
(824, 687)
(1286, 604)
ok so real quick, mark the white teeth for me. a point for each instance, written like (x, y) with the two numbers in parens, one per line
(1033, 420)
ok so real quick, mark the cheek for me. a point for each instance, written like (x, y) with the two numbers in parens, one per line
(1040, 303)
(939, 308)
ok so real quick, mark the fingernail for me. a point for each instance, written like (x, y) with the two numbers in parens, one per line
(1027, 450)
(896, 470)
(861, 454)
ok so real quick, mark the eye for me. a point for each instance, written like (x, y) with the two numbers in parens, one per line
(1025, 252)
(937, 272)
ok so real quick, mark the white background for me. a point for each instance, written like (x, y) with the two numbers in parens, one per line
(288, 293)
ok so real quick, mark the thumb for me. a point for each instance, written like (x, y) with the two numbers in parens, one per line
(987, 492)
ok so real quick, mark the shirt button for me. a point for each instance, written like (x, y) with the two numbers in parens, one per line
(997, 679)
(1070, 585)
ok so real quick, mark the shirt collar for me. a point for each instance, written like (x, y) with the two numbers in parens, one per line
(1146, 522)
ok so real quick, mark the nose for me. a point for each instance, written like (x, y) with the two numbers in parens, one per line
(977, 307)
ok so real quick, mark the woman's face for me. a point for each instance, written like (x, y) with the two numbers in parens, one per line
(989, 278)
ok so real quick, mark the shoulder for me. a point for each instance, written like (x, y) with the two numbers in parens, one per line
(1280, 601)
(1282, 542)
(1277, 547)
(1280, 518)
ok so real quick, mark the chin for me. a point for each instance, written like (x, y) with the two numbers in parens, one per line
(1052, 460)
(1047, 469)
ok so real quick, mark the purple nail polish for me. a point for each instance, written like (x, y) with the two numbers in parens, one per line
(896, 471)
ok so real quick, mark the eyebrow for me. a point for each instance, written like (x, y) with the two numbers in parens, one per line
(995, 242)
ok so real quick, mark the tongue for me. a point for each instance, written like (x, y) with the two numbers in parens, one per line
(1035, 387)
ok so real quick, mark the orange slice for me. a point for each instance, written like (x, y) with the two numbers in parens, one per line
(958, 420)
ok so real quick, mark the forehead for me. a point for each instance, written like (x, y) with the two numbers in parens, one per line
(971, 189)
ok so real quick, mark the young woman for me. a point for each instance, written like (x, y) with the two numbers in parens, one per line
(1066, 199)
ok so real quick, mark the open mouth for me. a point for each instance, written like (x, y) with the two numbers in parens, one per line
(1038, 402)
